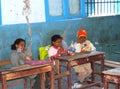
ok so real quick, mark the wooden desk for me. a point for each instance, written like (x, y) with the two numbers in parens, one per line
(112, 75)
(27, 70)
(82, 58)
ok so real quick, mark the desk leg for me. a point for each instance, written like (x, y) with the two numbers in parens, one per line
(25, 84)
(105, 83)
(4, 83)
(52, 79)
(58, 72)
(102, 68)
(93, 70)
(69, 76)
(117, 86)
(42, 80)
(31, 83)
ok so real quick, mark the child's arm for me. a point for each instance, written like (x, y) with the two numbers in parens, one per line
(92, 47)
(28, 55)
(27, 58)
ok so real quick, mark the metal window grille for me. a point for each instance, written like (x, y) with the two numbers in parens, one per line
(102, 7)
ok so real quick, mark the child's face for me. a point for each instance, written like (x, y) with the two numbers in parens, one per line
(21, 45)
(57, 43)
(82, 39)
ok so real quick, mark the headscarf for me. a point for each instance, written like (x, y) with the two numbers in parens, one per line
(81, 32)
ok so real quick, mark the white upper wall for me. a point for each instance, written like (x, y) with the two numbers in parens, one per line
(11, 11)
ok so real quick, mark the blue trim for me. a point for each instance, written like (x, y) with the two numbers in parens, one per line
(50, 18)
(65, 9)
(46, 10)
(66, 14)
(0, 13)
(79, 15)
(83, 8)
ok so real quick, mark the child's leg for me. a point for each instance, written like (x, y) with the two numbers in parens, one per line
(74, 76)
(88, 69)
(80, 70)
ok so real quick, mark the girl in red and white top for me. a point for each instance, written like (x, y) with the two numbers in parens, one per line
(56, 48)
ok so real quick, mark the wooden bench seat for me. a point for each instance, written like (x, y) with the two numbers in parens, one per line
(111, 64)
(112, 76)
(4, 62)
(108, 64)
(12, 83)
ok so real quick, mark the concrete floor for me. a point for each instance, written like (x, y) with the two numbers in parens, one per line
(64, 84)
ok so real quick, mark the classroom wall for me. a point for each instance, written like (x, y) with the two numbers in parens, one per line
(102, 31)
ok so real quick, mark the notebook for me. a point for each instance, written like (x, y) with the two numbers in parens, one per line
(37, 62)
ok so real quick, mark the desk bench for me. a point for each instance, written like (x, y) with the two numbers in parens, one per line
(112, 75)
(16, 83)
(82, 58)
(27, 70)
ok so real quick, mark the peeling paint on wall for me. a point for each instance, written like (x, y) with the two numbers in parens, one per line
(26, 12)
(65, 32)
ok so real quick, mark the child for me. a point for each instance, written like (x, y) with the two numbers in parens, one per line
(56, 49)
(85, 46)
(19, 55)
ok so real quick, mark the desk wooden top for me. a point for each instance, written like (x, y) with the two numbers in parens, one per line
(115, 71)
(21, 68)
(79, 55)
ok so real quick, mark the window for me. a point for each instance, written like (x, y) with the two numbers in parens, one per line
(64, 9)
(102, 7)
(12, 11)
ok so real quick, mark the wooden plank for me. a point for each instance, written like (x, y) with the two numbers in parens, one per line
(9, 85)
(4, 62)
(15, 83)
(109, 63)
(114, 71)
(90, 85)
(60, 75)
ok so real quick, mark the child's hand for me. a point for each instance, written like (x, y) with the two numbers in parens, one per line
(85, 50)
(28, 58)
(60, 49)
(71, 53)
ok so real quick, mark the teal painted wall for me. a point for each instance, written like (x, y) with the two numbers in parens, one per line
(102, 31)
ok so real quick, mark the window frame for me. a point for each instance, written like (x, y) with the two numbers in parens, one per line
(66, 15)
(100, 4)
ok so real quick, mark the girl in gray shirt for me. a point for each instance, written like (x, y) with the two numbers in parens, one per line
(19, 55)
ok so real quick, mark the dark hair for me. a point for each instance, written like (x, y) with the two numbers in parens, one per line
(55, 37)
(17, 41)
